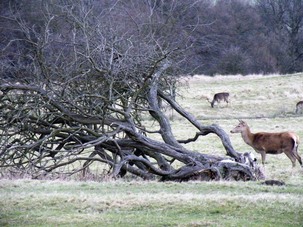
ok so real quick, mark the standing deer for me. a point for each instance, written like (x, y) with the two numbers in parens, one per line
(299, 107)
(270, 143)
(218, 97)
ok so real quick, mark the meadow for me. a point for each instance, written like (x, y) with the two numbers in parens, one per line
(266, 103)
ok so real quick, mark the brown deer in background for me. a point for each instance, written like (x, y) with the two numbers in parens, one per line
(218, 97)
(299, 107)
(270, 143)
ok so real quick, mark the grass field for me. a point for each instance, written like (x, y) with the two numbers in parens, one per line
(267, 103)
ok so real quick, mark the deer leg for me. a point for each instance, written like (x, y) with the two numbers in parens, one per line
(297, 156)
(226, 100)
(263, 156)
(299, 160)
(292, 158)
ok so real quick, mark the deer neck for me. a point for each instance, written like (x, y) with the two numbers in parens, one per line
(247, 136)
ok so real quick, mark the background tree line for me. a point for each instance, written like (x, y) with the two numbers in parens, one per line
(221, 37)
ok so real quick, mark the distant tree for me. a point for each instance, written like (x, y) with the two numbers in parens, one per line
(284, 24)
(233, 42)
(233, 61)
(243, 37)
(81, 83)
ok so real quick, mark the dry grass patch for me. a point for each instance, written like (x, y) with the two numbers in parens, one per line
(251, 96)
(137, 203)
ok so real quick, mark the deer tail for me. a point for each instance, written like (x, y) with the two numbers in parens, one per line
(295, 148)
(295, 142)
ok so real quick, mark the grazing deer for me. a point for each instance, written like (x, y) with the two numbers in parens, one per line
(270, 143)
(299, 107)
(218, 97)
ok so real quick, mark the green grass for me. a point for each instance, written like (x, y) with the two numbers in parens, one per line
(136, 203)
(266, 103)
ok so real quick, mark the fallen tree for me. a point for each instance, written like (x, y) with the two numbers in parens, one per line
(73, 100)
(40, 135)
